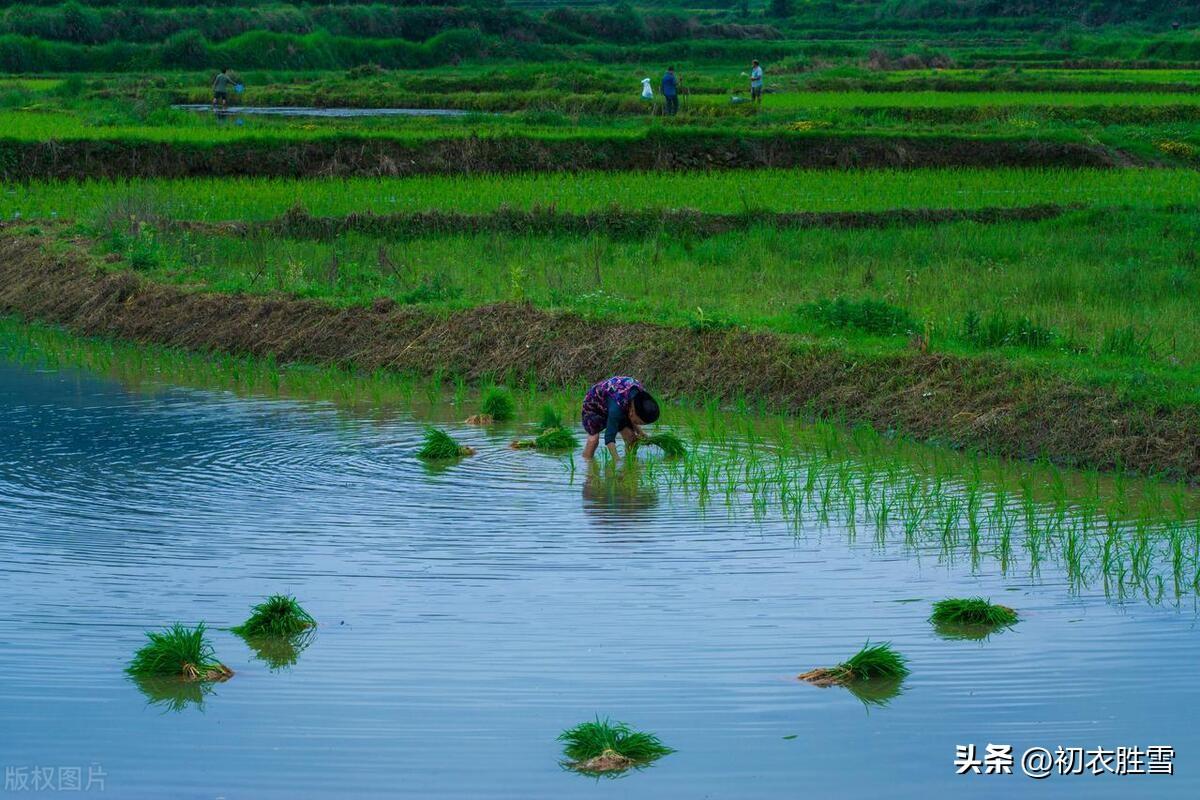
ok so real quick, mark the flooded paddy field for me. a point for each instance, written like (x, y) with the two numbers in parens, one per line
(312, 111)
(471, 611)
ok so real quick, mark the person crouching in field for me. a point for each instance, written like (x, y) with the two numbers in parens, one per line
(220, 89)
(616, 405)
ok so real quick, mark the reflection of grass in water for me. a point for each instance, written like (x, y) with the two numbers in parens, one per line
(876, 693)
(871, 664)
(972, 611)
(278, 615)
(623, 487)
(178, 652)
(958, 631)
(440, 446)
(602, 746)
(172, 693)
(280, 652)
(1130, 536)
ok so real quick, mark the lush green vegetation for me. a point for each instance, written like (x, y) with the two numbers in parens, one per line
(1082, 119)
(108, 35)
(1106, 293)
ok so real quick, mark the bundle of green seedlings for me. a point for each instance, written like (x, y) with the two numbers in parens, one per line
(440, 446)
(872, 662)
(551, 436)
(497, 406)
(278, 615)
(670, 444)
(973, 611)
(178, 652)
(602, 746)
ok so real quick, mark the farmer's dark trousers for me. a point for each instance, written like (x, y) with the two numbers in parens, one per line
(672, 104)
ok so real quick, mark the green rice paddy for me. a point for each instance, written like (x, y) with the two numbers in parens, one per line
(1083, 272)
(234, 199)
(1130, 538)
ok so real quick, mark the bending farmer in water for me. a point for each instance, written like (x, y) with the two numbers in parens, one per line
(617, 405)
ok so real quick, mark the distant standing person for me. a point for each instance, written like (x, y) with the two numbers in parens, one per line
(670, 90)
(617, 405)
(756, 81)
(220, 89)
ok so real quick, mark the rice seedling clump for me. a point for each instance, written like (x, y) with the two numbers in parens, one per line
(670, 444)
(278, 615)
(178, 652)
(553, 439)
(972, 611)
(498, 404)
(551, 434)
(440, 446)
(551, 419)
(872, 662)
(603, 746)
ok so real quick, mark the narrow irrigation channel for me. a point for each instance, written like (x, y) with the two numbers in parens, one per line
(312, 111)
(470, 611)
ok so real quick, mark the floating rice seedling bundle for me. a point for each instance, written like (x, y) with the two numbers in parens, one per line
(440, 446)
(602, 746)
(552, 439)
(551, 419)
(178, 652)
(278, 615)
(670, 444)
(551, 436)
(972, 611)
(497, 406)
(872, 662)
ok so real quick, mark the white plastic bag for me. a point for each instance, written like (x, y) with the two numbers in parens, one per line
(647, 92)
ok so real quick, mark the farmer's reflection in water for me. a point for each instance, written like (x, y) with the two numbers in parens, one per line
(617, 490)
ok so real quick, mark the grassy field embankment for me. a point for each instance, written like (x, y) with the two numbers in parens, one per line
(1030, 313)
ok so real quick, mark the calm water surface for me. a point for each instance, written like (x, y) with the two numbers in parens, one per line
(468, 615)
